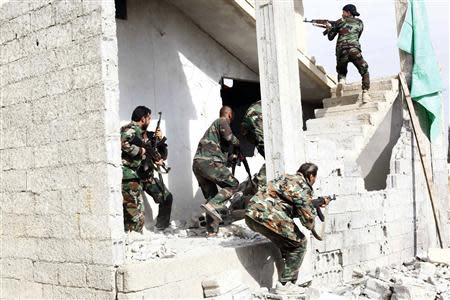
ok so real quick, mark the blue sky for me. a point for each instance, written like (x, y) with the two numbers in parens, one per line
(379, 37)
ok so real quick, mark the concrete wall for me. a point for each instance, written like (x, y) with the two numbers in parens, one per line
(370, 229)
(60, 164)
(167, 63)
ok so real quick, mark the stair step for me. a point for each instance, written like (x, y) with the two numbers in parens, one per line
(355, 88)
(345, 140)
(375, 96)
(346, 109)
(348, 123)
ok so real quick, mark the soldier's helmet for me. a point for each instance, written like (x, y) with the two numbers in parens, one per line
(351, 9)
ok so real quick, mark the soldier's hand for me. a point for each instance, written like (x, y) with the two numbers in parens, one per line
(328, 25)
(159, 162)
(158, 134)
(326, 201)
(142, 152)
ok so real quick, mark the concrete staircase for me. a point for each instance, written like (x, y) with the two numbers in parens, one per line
(349, 124)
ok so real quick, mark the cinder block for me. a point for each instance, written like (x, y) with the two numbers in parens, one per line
(11, 10)
(14, 247)
(14, 181)
(42, 18)
(17, 268)
(70, 250)
(75, 151)
(70, 274)
(17, 158)
(47, 156)
(90, 229)
(14, 225)
(45, 272)
(101, 277)
(61, 82)
(87, 75)
(66, 10)
(88, 25)
(102, 252)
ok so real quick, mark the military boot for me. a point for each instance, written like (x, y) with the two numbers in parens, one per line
(289, 288)
(340, 87)
(211, 211)
(365, 97)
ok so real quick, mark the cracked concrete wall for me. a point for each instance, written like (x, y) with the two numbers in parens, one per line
(62, 225)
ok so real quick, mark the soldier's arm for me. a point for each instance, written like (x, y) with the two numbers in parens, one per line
(125, 137)
(333, 31)
(227, 134)
(362, 28)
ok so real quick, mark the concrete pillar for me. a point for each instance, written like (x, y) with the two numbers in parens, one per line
(280, 86)
(300, 26)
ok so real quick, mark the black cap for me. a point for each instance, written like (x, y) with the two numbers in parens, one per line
(351, 9)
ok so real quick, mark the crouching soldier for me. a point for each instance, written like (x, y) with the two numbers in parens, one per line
(271, 212)
(209, 167)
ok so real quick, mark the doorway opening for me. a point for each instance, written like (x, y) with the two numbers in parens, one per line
(239, 95)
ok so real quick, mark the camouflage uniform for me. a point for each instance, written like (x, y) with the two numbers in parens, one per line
(156, 188)
(252, 130)
(271, 212)
(133, 204)
(209, 165)
(134, 182)
(348, 48)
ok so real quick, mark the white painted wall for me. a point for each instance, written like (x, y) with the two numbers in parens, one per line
(168, 64)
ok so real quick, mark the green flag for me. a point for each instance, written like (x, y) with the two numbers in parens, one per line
(426, 83)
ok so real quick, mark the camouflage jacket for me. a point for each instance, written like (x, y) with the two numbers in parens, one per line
(286, 197)
(349, 30)
(215, 142)
(252, 125)
(131, 154)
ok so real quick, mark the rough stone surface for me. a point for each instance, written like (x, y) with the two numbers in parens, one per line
(52, 66)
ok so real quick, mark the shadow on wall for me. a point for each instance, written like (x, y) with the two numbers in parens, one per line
(167, 63)
(260, 266)
(376, 156)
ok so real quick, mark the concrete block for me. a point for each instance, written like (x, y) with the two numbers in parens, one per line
(14, 225)
(13, 181)
(11, 10)
(75, 151)
(412, 291)
(130, 296)
(47, 156)
(103, 252)
(92, 175)
(70, 250)
(87, 26)
(45, 272)
(101, 277)
(70, 274)
(66, 10)
(64, 292)
(17, 158)
(61, 82)
(20, 289)
(14, 247)
(38, 87)
(379, 287)
(44, 110)
(17, 268)
(87, 75)
(89, 228)
(42, 18)
(437, 255)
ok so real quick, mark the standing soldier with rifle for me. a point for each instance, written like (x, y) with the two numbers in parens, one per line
(135, 150)
(209, 167)
(252, 130)
(271, 212)
(348, 48)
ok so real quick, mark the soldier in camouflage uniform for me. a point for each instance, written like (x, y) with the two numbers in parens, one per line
(348, 48)
(209, 167)
(252, 130)
(271, 212)
(132, 157)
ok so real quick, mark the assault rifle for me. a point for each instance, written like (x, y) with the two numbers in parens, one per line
(317, 203)
(320, 23)
(236, 158)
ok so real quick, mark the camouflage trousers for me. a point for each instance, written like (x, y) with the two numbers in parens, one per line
(161, 195)
(211, 174)
(133, 206)
(354, 56)
(292, 252)
(133, 203)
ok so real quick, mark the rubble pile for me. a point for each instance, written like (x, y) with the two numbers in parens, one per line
(420, 279)
(176, 240)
